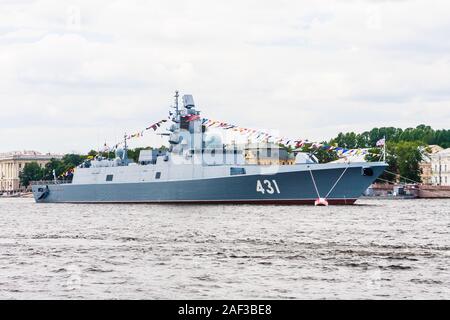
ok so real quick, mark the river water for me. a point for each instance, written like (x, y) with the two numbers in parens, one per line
(376, 249)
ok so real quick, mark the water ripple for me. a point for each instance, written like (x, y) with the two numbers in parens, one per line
(374, 250)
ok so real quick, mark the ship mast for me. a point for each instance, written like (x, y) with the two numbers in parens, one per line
(176, 101)
(125, 150)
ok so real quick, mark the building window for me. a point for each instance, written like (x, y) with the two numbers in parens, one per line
(158, 175)
(109, 177)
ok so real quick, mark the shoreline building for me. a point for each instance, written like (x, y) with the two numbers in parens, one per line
(440, 168)
(425, 166)
(12, 163)
(264, 153)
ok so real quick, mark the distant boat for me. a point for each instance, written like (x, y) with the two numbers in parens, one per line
(427, 191)
(199, 170)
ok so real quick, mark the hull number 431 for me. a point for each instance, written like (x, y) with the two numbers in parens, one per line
(267, 186)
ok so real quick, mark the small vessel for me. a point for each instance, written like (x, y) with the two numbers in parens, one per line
(200, 169)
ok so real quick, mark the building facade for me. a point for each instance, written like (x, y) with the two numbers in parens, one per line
(425, 172)
(267, 154)
(425, 166)
(12, 163)
(440, 168)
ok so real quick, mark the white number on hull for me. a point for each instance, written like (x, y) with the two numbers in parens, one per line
(266, 186)
(269, 188)
(276, 185)
(259, 187)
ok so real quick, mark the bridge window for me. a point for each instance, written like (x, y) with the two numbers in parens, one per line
(158, 175)
(109, 177)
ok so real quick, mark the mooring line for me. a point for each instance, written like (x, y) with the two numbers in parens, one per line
(405, 178)
(337, 181)
(314, 182)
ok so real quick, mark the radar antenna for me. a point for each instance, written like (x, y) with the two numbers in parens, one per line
(125, 150)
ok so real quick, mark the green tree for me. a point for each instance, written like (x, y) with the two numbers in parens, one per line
(408, 159)
(31, 172)
(288, 148)
(403, 159)
(422, 133)
(92, 153)
(321, 154)
(376, 155)
(346, 140)
(54, 164)
(72, 160)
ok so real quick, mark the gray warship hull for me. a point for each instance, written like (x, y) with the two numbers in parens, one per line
(338, 183)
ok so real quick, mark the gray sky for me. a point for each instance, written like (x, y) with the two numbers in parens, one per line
(73, 76)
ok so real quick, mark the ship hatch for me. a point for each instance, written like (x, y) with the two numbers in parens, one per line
(367, 172)
(236, 171)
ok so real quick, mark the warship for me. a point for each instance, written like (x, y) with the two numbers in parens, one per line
(198, 168)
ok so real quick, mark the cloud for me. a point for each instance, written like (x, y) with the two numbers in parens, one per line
(72, 76)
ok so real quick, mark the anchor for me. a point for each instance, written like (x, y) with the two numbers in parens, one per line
(44, 194)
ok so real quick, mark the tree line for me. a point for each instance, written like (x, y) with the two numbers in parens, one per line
(404, 148)
(425, 135)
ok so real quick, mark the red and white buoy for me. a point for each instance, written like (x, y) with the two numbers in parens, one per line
(321, 202)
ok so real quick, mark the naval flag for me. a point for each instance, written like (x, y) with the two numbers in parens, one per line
(381, 142)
